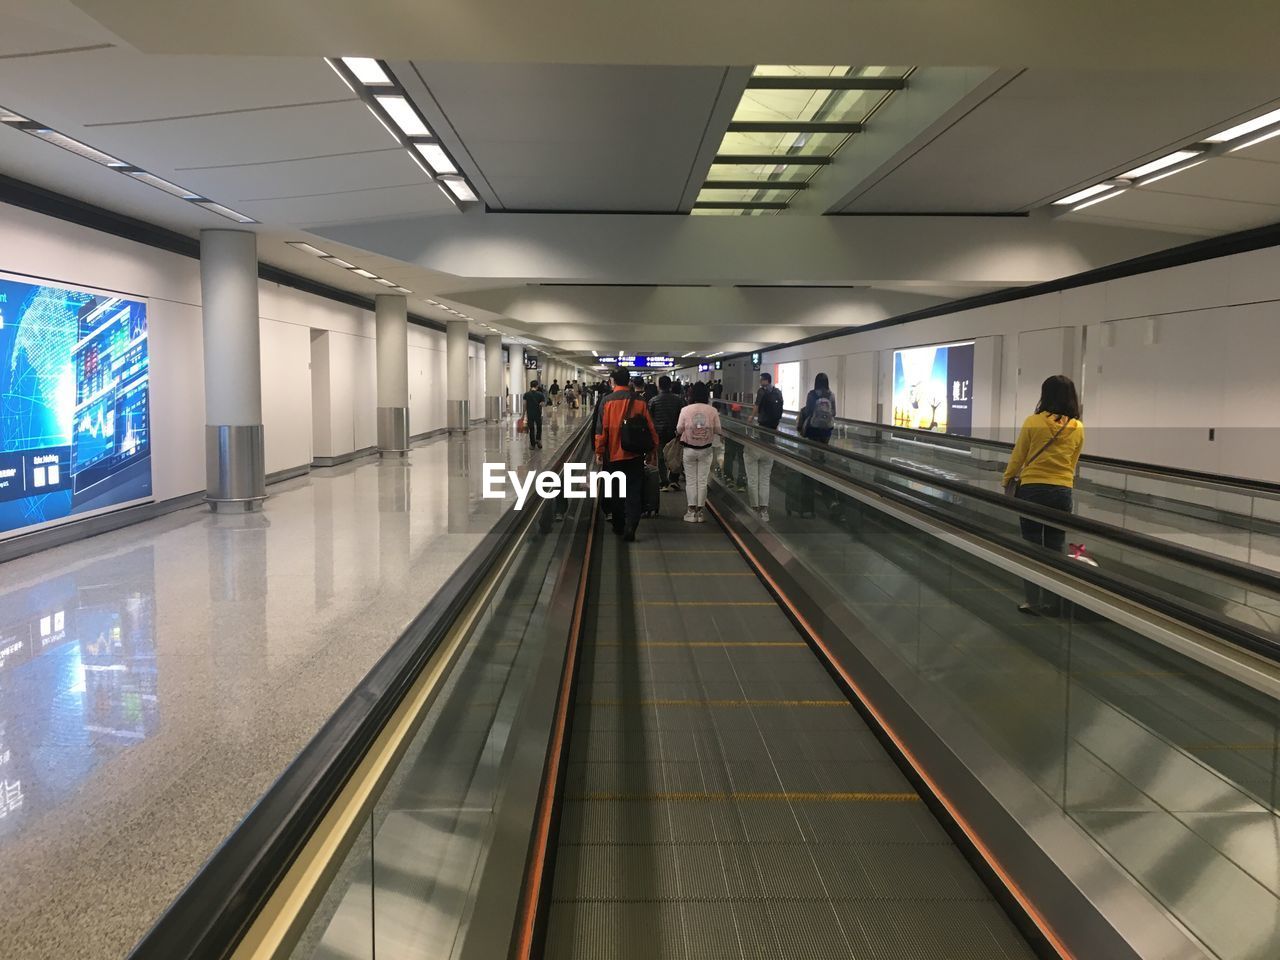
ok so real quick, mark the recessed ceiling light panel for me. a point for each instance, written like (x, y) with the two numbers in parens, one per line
(222, 211)
(367, 70)
(338, 262)
(436, 158)
(404, 116)
(151, 180)
(460, 189)
(361, 272)
(1167, 161)
(1246, 128)
(76, 147)
(1084, 194)
(307, 248)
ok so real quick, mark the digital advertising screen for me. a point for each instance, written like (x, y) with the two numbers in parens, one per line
(933, 388)
(75, 427)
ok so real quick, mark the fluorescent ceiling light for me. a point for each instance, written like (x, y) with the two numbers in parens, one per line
(307, 248)
(594, 354)
(361, 272)
(367, 70)
(161, 184)
(460, 188)
(78, 148)
(1084, 194)
(1170, 173)
(1257, 140)
(402, 114)
(337, 262)
(222, 211)
(1176, 157)
(689, 354)
(1105, 196)
(8, 116)
(385, 283)
(436, 158)
(403, 290)
(1241, 129)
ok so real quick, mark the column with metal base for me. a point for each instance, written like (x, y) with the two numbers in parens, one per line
(391, 320)
(235, 457)
(515, 374)
(458, 385)
(493, 377)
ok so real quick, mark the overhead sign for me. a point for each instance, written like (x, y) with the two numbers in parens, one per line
(530, 363)
(704, 367)
(642, 362)
(755, 361)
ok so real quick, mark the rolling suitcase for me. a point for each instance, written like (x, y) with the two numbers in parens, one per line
(649, 498)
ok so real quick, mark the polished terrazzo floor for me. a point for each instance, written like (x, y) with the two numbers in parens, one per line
(155, 680)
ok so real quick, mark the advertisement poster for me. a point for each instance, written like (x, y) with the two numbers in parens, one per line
(933, 388)
(74, 403)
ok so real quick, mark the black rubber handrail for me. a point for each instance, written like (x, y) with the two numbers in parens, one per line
(954, 441)
(1220, 627)
(209, 917)
(1199, 559)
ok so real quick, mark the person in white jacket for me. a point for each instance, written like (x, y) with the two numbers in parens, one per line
(697, 429)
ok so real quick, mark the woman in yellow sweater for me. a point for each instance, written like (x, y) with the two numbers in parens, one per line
(1042, 470)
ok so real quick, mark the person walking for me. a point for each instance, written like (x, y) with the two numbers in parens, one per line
(816, 423)
(665, 410)
(570, 396)
(758, 463)
(534, 400)
(697, 428)
(625, 440)
(554, 393)
(1042, 470)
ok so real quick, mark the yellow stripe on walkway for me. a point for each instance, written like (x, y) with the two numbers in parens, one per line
(853, 796)
(718, 703)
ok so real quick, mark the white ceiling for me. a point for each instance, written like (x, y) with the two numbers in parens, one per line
(551, 107)
(575, 137)
(1080, 34)
(1045, 131)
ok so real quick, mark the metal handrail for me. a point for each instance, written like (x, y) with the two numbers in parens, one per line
(1247, 573)
(953, 441)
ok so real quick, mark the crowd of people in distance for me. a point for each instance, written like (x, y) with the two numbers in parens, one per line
(643, 424)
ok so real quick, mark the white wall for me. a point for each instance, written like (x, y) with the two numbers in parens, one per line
(1161, 358)
(307, 411)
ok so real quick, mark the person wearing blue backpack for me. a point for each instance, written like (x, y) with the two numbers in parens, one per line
(817, 421)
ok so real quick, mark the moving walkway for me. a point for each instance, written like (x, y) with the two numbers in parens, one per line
(828, 736)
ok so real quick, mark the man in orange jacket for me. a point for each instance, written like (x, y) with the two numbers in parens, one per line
(623, 404)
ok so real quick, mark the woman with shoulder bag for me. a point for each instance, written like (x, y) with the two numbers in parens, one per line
(1042, 471)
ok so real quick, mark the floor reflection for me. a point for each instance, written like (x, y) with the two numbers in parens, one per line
(77, 681)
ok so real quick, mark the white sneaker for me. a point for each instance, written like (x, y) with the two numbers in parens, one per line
(702, 515)
(691, 515)
(764, 514)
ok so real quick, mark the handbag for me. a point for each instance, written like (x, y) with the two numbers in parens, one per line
(521, 426)
(1011, 488)
(673, 453)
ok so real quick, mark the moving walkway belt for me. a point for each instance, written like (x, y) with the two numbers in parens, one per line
(722, 797)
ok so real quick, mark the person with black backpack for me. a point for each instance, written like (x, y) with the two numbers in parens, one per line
(625, 439)
(665, 410)
(758, 464)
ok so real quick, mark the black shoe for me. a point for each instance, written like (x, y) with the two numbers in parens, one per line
(1029, 609)
(630, 535)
